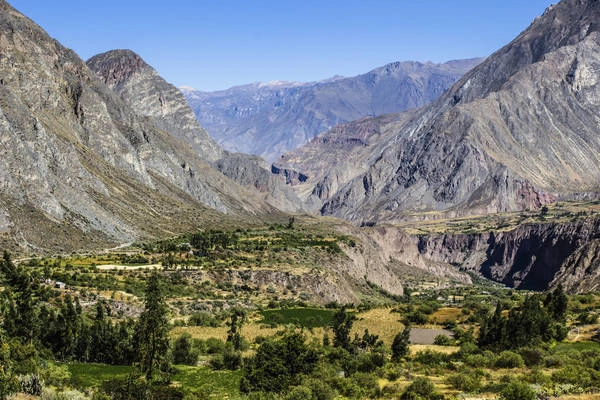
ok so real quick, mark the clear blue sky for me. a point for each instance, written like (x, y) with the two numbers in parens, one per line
(215, 44)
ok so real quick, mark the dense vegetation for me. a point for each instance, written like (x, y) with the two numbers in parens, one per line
(164, 334)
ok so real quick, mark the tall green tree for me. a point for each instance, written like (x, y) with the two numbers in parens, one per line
(21, 315)
(400, 344)
(341, 324)
(152, 329)
(279, 364)
(234, 336)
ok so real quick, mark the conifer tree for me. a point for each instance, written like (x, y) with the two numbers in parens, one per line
(400, 344)
(152, 329)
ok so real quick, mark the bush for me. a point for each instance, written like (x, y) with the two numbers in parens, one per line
(299, 393)
(56, 375)
(532, 355)
(183, 353)
(509, 359)
(443, 340)
(31, 384)
(573, 374)
(320, 389)
(421, 388)
(466, 382)
(517, 391)
(52, 394)
(430, 357)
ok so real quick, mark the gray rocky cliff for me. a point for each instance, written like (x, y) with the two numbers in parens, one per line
(141, 87)
(535, 256)
(80, 168)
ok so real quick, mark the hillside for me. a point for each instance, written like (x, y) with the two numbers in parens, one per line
(80, 168)
(146, 92)
(518, 131)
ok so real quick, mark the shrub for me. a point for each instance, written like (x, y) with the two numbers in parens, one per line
(320, 389)
(443, 340)
(517, 391)
(420, 388)
(31, 384)
(299, 393)
(466, 382)
(430, 357)
(573, 374)
(509, 359)
(183, 353)
(532, 355)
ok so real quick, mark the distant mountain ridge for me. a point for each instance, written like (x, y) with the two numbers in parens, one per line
(518, 131)
(269, 119)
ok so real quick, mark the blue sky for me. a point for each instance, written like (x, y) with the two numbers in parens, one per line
(217, 44)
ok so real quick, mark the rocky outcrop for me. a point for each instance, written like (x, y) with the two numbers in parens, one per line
(580, 273)
(80, 168)
(141, 87)
(534, 256)
(518, 131)
(269, 119)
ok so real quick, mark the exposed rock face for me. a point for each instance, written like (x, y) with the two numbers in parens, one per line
(141, 87)
(80, 168)
(580, 273)
(516, 132)
(271, 119)
(533, 256)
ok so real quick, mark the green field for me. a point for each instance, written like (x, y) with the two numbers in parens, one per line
(92, 375)
(304, 317)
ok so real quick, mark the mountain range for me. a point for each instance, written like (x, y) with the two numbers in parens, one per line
(518, 131)
(269, 119)
(105, 153)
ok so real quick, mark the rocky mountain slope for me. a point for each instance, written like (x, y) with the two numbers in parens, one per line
(141, 87)
(80, 168)
(269, 119)
(536, 255)
(518, 131)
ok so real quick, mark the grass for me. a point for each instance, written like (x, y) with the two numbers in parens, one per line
(379, 321)
(579, 346)
(202, 381)
(92, 375)
(305, 317)
(209, 384)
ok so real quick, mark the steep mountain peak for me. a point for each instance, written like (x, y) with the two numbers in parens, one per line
(116, 66)
(140, 85)
(563, 24)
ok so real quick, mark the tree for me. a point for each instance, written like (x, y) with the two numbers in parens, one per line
(341, 324)
(152, 329)
(234, 336)
(279, 364)
(8, 380)
(21, 314)
(400, 344)
(556, 303)
(183, 353)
